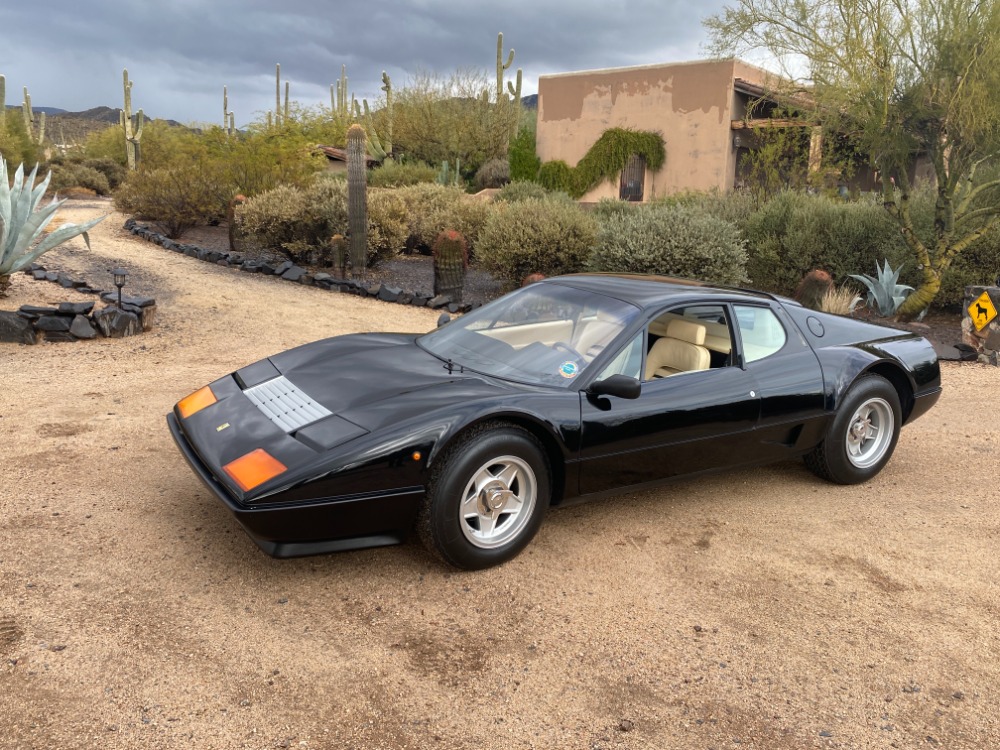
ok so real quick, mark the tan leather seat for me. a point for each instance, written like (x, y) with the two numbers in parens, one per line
(681, 350)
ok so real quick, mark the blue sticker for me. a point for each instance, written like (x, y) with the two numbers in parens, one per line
(568, 369)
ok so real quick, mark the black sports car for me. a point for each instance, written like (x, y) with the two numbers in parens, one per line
(565, 390)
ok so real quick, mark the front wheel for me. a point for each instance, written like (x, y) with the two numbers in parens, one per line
(486, 498)
(863, 435)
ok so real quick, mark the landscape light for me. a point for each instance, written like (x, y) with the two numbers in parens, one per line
(120, 274)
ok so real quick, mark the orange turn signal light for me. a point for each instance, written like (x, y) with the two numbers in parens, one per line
(196, 402)
(253, 469)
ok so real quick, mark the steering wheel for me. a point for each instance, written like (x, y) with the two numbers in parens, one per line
(562, 346)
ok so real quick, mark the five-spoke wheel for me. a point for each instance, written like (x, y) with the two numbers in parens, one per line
(862, 436)
(486, 497)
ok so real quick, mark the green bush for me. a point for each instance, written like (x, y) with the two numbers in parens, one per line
(556, 176)
(524, 161)
(400, 174)
(69, 175)
(111, 169)
(294, 221)
(736, 207)
(608, 207)
(387, 227)
(794, 233)
(494, 173)
(673, 241)
(520, 190)
(432, 208)
(175, 198)
(535, 236)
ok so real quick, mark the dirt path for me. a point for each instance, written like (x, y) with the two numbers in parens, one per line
(758, 609)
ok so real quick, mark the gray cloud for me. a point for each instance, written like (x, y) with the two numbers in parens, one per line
(180, 53)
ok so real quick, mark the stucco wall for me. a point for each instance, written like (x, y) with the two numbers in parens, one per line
(689, 103)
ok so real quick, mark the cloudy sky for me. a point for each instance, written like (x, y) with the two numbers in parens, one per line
(180, 53)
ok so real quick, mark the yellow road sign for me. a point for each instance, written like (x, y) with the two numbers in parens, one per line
(982, 311)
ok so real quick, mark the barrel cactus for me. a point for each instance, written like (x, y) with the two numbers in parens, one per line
(451, 259)
(22, 223)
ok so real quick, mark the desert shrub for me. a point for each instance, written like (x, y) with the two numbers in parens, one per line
(107, 143)
(735, 207)
(425, 204)
(111, 169)
(295, 221)
(400, 174)
(174, 198)
(77, 192)
(520, 190)
(467, 216)
(535, 236)
(494, 173)
(794, 233)
(70, 175)
(387, 227)
(608, 207)
(671, 240)
(977, 264)
(524, 161)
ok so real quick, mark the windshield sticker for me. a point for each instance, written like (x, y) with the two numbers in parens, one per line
(568, 369)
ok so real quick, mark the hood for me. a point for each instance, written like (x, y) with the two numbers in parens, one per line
(376, 379)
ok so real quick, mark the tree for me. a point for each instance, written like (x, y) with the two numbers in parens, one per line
(901, 80)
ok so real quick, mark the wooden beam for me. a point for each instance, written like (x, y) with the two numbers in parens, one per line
(767, 122)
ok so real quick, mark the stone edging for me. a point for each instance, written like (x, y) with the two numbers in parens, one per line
(75, 321)
(291, 272)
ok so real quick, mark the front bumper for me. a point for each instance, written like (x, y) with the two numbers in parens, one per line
(316, 526)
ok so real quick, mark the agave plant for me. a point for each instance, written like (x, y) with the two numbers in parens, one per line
(22, 222)
(883, 291)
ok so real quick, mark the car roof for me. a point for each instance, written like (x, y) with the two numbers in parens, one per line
(648, 290)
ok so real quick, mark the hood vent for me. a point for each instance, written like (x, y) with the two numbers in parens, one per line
(285, 405)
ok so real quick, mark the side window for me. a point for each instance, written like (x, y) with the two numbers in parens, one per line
(761, 331)
(686, 339)
(627, 362)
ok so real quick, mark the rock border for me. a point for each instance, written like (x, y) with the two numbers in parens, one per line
(289, 271)
(75, 321)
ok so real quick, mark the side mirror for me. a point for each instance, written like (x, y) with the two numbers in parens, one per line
(621, 386)
(443, 318)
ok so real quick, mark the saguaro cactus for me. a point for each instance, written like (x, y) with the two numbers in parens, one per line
(506, 111)
(3, 102)
(451, 259)
(29, 119)
(380, 149)
(132, 126)
(277, 93)
(357, 199)
(343, 108)
(227, 116)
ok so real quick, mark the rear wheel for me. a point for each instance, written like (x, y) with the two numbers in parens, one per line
(486, 498)
(863, 435)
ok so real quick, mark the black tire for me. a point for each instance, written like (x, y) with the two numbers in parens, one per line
(862, 436)
(511, 470)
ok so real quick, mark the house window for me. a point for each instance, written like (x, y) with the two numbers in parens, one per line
(633, 178)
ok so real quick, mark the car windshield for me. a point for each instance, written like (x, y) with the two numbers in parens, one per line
(543, 334)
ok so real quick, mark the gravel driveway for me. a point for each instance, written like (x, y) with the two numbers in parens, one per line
(754, 609)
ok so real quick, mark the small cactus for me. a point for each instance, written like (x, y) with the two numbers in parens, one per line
(237, 200)
(451, 259)
(339, 244)
(813, 286)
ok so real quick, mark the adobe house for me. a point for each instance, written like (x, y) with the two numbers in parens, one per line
(699, 107)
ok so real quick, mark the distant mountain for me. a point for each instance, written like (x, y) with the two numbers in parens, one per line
(530, 101)
(69, 128)
(46, 110)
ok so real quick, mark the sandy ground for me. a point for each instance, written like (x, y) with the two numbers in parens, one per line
(758, 609)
